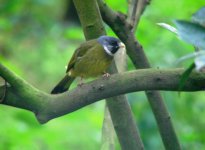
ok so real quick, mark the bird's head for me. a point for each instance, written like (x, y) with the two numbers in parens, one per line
(110, 44)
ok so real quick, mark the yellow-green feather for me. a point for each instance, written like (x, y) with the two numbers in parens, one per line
(93, 63)
(89, 60)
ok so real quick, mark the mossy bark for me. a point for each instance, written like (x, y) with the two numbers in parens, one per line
(52, 106)
(92, 24)
(90, 18)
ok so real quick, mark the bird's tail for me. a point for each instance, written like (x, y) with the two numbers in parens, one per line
(63, 85)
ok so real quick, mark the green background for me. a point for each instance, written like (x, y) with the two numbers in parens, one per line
(37, 41)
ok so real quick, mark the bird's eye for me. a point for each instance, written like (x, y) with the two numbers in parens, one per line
(117, 47)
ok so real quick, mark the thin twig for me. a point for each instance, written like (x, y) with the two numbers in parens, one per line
(134, 11)
(138, 9)
(131, 4)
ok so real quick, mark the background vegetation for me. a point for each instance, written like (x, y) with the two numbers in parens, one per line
(38, 37)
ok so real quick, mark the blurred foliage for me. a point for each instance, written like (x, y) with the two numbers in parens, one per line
(192, 32)
(36, 42)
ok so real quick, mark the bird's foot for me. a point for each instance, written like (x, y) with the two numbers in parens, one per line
(4, 92)
(106, 75)
(80, 84)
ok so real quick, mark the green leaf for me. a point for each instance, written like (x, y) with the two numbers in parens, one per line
(193, 56)
(168, 27)
(198, 17)
(191, 33)
(199, 59)
(185, 76)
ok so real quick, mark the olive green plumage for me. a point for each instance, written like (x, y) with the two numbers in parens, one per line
(91, 59)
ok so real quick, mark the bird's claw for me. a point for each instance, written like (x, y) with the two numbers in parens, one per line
(106, 75)
(80, 84)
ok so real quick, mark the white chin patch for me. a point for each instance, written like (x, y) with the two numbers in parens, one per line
(107, 51)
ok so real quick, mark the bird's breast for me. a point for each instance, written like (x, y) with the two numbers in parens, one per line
(92, 64)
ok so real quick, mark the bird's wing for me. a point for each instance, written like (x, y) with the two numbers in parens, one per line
(80, 52)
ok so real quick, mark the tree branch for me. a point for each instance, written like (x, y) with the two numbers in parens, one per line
(138, 9)
(108, 132)
(132, 8)
(21, 94)
(135, 51)
(57, 105)
(121, 113)
(90, 18)
(122, 28)
(89, 14)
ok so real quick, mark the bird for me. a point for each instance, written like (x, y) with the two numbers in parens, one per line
(91, 59)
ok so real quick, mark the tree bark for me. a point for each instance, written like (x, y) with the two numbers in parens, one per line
(47, 107)
(92, 24)
(123, 29)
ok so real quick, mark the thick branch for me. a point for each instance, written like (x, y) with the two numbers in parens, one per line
(121, 113)
(89, 14)
(21, 94)
(90, 18)
(135, 51)
(145, 79)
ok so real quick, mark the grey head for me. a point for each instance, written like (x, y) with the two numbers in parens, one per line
(110, 44)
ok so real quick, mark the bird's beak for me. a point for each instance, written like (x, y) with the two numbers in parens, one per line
(122, 45)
